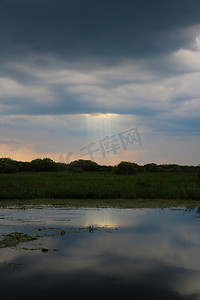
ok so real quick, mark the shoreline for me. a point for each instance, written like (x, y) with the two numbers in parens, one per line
(100, 203)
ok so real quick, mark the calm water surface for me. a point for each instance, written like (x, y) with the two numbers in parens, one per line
(61, 253)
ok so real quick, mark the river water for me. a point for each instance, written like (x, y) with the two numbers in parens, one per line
(62, 253)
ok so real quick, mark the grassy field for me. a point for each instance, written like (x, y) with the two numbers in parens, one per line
(67, 185)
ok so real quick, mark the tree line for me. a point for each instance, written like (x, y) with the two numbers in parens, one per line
(8, 165)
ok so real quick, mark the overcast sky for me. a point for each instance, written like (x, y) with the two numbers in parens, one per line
(75, 73)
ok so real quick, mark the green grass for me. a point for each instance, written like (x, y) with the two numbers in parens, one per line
(66, 185)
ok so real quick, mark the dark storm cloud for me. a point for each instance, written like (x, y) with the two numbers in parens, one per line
(69, 57)
(108, 29)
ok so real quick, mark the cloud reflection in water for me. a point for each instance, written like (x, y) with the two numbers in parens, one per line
(130, 253)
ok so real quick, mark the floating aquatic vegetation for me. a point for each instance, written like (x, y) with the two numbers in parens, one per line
(12, 265)
(45, 250)
(14, 238)
(92, 228)
(49, 228)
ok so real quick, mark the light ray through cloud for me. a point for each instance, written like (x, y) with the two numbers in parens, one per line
(95, 72)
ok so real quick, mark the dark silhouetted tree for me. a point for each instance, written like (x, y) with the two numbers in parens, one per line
(42, 165)
(125, 167)
(83, 165)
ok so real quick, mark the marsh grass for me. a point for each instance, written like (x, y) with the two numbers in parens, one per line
(68, 185)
